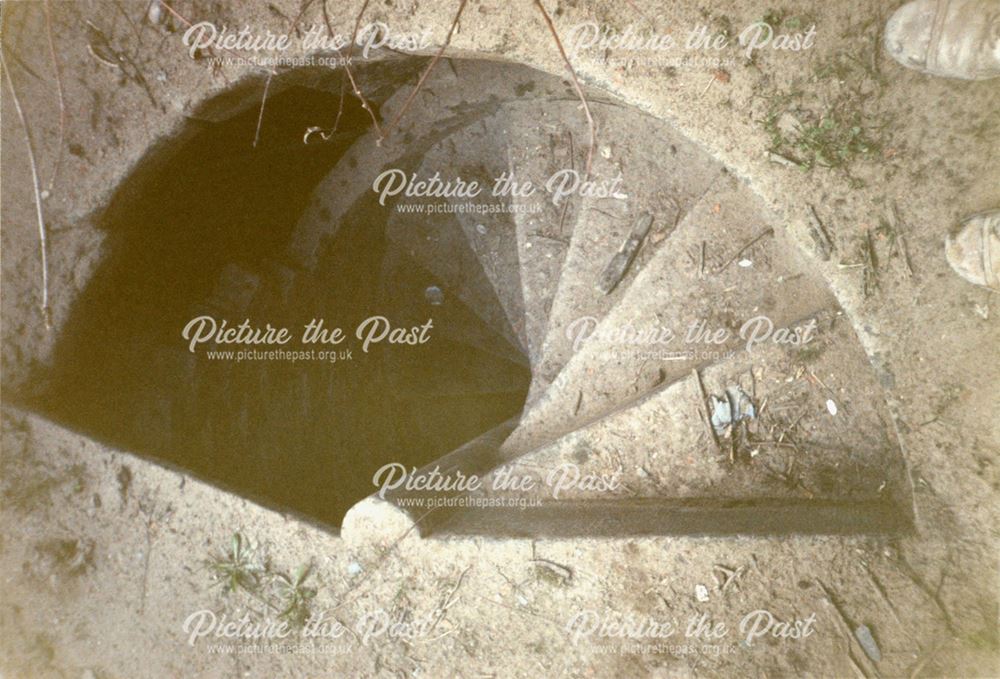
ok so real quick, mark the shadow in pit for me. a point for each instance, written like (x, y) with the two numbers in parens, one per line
(201, 228)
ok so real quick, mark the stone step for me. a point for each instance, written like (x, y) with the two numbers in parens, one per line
(447, 369)
(439, 245)
(654, 467)
(663, 175)
(404, 296)
(750, 270)
(439, 424)
(794, 444)
(474, 155)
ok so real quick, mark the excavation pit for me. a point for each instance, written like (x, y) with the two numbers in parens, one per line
(471, 297)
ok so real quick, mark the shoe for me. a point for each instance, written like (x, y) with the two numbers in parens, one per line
(974, 250)
(947, 38)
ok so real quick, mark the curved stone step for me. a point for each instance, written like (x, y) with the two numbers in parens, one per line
(663, 175)
(439, 245)
(443, 368)
(444, 108)
(440, 424)
(538, 148)
(797, 460)
(405, 285)
(795, 445)
(472, 155)
(670, 293)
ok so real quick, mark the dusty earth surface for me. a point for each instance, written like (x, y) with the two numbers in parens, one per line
(105, 554)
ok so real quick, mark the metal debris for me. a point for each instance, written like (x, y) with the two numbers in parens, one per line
(733, 407)
(619, 264)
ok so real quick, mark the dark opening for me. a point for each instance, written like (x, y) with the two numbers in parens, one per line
(202, 229)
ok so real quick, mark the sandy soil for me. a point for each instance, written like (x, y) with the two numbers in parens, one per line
(105, 554)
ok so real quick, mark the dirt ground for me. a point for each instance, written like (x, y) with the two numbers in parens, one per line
(107, 557)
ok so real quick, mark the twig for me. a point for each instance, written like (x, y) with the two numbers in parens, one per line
(43, 242)
(870, 272)
(448, 600)
(641, 13)
(62, 97)
(558, 570)
(572, 166)
(343, 75)
(263, 101)
(885, 596)
(922, 663)
(935, 597)
(295, 22)
(866, 666)
(427, 71)
(858, 668)
(766, 232)
(904, 249)
(780, 159)
(576, 85)
(350, 76)
(819, 235)
(705, 410)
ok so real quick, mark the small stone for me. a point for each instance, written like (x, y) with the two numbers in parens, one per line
(354, 568)
(481, 229)
(45, 194)
(867, 641)
(701, 593)
(831, 406)
(744, 263)
(155, 14)
(434, 295)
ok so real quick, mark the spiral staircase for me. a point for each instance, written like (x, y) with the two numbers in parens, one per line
(287, 232)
